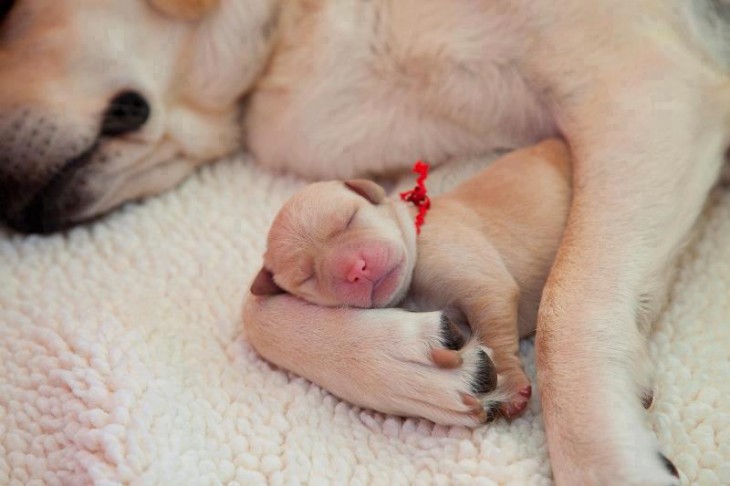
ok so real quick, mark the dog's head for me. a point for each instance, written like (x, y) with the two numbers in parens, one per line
(340, 244)
(106, 101)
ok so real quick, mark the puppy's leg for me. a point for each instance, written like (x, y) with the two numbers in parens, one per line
(648, 140)
(383, 359)
(493, 316)
(468, 273)
(490, 303)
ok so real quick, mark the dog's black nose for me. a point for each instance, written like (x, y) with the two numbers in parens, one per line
(5, 6)
(127, 112)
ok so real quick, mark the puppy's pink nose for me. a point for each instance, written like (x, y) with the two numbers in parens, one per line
(358, 271)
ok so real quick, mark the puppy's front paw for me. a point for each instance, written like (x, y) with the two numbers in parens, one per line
(519, 392)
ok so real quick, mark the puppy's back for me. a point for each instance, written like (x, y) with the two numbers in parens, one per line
(535, 176)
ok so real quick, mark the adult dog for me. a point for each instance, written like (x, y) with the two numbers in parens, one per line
(105, 101)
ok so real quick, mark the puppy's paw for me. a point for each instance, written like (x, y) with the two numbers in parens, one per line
(519, 391)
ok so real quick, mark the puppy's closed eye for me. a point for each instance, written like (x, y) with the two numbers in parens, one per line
(351, 220)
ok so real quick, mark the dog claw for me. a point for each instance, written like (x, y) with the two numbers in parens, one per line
(445, 358)
(647, 400)
(481, 416)
(470, 401)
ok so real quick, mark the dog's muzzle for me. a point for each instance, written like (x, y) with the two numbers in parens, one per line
(46, 162)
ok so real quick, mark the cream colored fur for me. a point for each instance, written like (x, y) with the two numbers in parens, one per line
(634, 89)
(343, 87)
(485, 251)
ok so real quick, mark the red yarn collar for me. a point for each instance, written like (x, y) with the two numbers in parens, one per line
(418, 195)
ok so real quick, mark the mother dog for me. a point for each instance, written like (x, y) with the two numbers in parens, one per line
(105, 101)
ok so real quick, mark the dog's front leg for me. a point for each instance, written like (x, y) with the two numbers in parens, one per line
(648, 141)
(383, 359)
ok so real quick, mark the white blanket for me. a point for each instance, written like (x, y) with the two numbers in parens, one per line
(122, 360)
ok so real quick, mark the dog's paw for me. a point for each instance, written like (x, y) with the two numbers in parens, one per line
(389, 360)
(503, 393)
(620, 451)
(655, 469)
(438, 373)
(652, 468)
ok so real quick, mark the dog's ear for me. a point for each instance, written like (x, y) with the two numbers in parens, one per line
(368, 189)
(264, 284)
(185, 9)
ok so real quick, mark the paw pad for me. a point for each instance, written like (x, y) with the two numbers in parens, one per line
(485, 377)
(451, 335)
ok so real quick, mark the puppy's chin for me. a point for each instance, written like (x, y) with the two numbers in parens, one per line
(392, 288)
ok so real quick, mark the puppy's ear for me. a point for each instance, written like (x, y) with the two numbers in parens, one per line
(368, 189)
(264, 284)
(185, 9)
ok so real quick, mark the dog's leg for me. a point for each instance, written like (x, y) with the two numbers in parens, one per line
(383, 359)
(648, 139)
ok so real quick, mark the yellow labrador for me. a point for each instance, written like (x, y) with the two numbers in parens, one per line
(485, 251)
(105, 101)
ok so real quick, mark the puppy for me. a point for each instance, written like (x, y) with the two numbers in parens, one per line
(485, 250)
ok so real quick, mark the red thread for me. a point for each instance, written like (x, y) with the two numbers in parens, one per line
(417, 195)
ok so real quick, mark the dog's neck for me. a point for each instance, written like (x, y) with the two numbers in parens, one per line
(229, 51)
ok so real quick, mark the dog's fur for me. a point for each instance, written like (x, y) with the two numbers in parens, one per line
(343, 87)
(485, 252)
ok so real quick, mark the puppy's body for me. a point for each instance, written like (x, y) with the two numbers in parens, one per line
(485, 250)
(499, 224)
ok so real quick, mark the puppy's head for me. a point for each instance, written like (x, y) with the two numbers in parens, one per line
(106, 101)
(340, 244)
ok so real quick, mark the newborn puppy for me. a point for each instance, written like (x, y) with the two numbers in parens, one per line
(485, 250)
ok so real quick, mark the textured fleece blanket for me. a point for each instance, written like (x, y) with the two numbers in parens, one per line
(122, 360)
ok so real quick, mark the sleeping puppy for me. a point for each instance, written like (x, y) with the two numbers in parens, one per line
(485, 250)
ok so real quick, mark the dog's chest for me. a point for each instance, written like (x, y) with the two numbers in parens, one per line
(376, 85)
